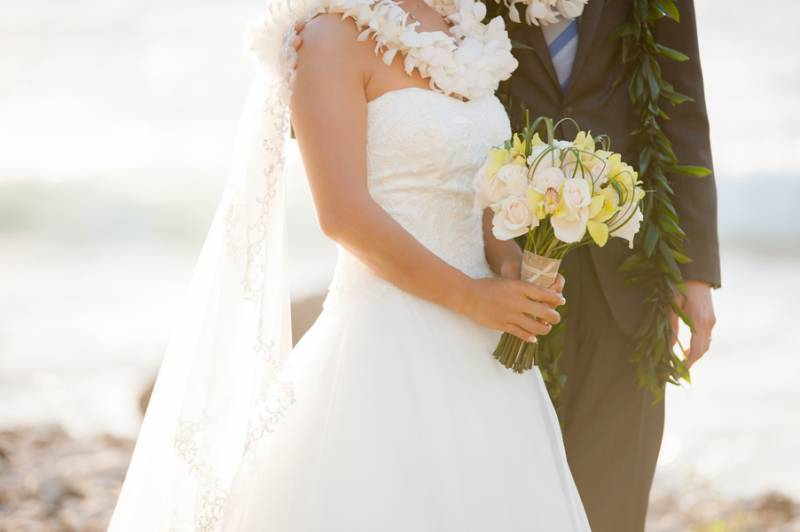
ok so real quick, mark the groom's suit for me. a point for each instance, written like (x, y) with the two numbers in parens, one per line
(612, 431)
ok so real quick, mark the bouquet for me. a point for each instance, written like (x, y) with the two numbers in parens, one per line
(561, 194)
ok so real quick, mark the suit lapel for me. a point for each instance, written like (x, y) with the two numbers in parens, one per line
(586, 31)
(535, 39)
(587, 26)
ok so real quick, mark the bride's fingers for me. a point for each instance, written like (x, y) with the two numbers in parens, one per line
(520, 333)
(558, 285)
(530, 325)
(542, 312)
(544, 295)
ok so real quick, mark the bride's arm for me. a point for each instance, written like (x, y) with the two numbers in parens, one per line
(329, 114)
(504, 256)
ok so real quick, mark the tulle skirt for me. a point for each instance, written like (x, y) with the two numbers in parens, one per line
(401, 420)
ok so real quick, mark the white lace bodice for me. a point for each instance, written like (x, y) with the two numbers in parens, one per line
(423, 151)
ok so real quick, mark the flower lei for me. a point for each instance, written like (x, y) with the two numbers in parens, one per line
(545, 12)
(469, 62)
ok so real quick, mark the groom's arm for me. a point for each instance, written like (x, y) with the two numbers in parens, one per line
(695, 198)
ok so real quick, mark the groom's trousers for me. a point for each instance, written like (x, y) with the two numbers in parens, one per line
(612, 429)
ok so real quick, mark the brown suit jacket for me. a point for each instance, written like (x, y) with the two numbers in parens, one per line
(597, 99)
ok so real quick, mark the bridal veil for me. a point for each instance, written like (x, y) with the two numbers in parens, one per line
(220, 386)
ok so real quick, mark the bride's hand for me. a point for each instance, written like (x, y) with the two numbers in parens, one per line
(513, 306)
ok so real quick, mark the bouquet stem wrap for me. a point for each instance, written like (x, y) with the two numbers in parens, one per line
(512, 351)
(541, 271)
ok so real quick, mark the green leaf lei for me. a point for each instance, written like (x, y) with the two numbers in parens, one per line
(660, 250)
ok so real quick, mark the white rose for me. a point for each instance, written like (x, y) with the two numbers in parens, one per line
(553, 158)
(509, 180)
(576, 195)
(512, 219)
(569, 227)
(545, 178)
(630, 228)
(514, 179)
(484, 186)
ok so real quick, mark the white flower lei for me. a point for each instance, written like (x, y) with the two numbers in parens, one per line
(545, 12)
(469, 62)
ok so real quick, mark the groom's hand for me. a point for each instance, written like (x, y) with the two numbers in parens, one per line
(699, 307)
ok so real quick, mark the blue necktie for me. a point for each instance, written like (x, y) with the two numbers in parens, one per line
(562, 41)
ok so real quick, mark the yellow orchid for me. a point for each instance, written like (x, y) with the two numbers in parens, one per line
(517, 147)
(614, 164)
(536, 204)
(604, 205)
(584, 141)
(551, 201)
(627, 178)
(598, 232)
(577, 163)
(498, 157)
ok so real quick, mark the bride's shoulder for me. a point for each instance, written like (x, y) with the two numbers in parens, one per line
(329, 37)
(331, 56)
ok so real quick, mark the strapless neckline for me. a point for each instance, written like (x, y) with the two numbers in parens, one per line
(411, 90)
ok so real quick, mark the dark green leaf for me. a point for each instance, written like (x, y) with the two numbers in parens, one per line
(516, 45)
(696, 171)
(666, 254)
(676, 98)
(680, 257)
(650, 240)
(671, 53)
(668, 9)
(631, 263)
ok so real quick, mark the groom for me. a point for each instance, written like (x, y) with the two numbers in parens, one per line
(612, 429)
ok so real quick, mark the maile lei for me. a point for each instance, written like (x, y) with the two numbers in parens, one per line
(660, 248)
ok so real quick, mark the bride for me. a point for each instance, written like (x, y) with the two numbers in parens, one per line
(390, 414)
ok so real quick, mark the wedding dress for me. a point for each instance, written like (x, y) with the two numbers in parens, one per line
(390, 414)
(403, 420)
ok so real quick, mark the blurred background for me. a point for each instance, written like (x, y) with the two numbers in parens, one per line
(116, 126)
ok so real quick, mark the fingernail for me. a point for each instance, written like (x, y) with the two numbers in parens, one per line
(533, 339)
(563, 300)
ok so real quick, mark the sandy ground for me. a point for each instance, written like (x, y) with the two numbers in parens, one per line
(51, 482)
